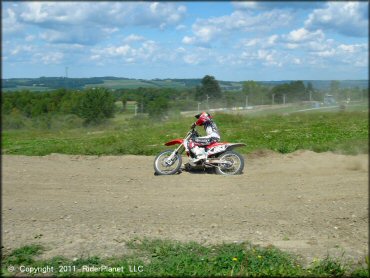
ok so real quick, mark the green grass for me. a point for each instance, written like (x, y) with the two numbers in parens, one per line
(130, 84)
(119, 84)
(23, 255)
(29, 88)
(344, 132)
(113, 84)
(171, 258)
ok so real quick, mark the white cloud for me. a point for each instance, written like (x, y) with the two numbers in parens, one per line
(304, 39)
(95, 57)
(352, 48)
(188, 40)
(21, 49)
(346, 18)
(326, 53)
(291, 45)
(302, 35)
(48, 58)
(212, 29)
(146, 51)
(44, 13)
(272, 39)
(10, 22)
(299, 47)
(260, 42)
(90, 22)
(297, 61)
(269, 57)
(245, 40)
(251, 42)
(154, 14)
(246, 5)
(181, 50)
(120, 50)
(270, 5)
(35, 53)
(192, 59)
(133, 38)
(110, 30)
(79, 35)
(319, 45)
(349, 54)
(180, 27)
(30, 38)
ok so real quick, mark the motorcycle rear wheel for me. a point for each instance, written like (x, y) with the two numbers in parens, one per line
(236, 167)
(164, 167)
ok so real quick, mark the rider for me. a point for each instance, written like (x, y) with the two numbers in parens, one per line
(197, 145)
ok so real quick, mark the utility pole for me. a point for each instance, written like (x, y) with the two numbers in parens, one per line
(246, 101)
(273, 99)
(284, 98)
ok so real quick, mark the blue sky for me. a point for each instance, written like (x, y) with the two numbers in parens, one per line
(233, 41)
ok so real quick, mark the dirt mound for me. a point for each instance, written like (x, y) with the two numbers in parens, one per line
(263, 153)
(304, 202)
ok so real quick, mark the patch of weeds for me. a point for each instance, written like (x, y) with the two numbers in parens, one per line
(172, 258)
(23, 255)
(328, 267)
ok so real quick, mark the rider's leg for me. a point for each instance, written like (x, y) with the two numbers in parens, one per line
(197, 146)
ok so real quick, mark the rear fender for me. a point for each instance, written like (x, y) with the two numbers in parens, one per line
(174, 142)
(235, 145)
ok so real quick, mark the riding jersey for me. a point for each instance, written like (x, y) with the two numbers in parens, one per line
(213, 134)
(211, 129)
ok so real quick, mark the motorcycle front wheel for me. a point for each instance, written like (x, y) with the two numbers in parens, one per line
(165, 166)
(234, 164)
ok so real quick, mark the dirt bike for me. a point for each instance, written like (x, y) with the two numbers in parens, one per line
(219, 156)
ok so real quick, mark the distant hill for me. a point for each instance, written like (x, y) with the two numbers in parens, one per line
(49, 83)
(324, 84)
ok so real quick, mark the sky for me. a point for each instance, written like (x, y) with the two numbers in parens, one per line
(233, 41)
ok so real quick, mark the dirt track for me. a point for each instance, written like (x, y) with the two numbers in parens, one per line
(304, 202)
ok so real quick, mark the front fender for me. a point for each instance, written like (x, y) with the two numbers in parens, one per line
(174, 142)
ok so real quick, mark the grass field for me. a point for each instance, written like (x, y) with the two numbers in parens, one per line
(345, 132)
(28, 88)
(170, 258)
(131, 84)
(119, 84)
(114, 84)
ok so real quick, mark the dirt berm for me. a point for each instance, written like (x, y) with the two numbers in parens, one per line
(312, 204)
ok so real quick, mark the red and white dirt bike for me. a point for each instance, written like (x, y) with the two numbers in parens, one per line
(219, 156)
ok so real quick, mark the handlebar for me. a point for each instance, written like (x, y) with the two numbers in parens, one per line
(191, 131)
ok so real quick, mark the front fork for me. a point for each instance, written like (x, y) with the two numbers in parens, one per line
(180, 149)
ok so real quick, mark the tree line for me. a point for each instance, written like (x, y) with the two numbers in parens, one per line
(94, 105)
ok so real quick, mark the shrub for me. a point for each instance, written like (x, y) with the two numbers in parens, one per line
(96, 105)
